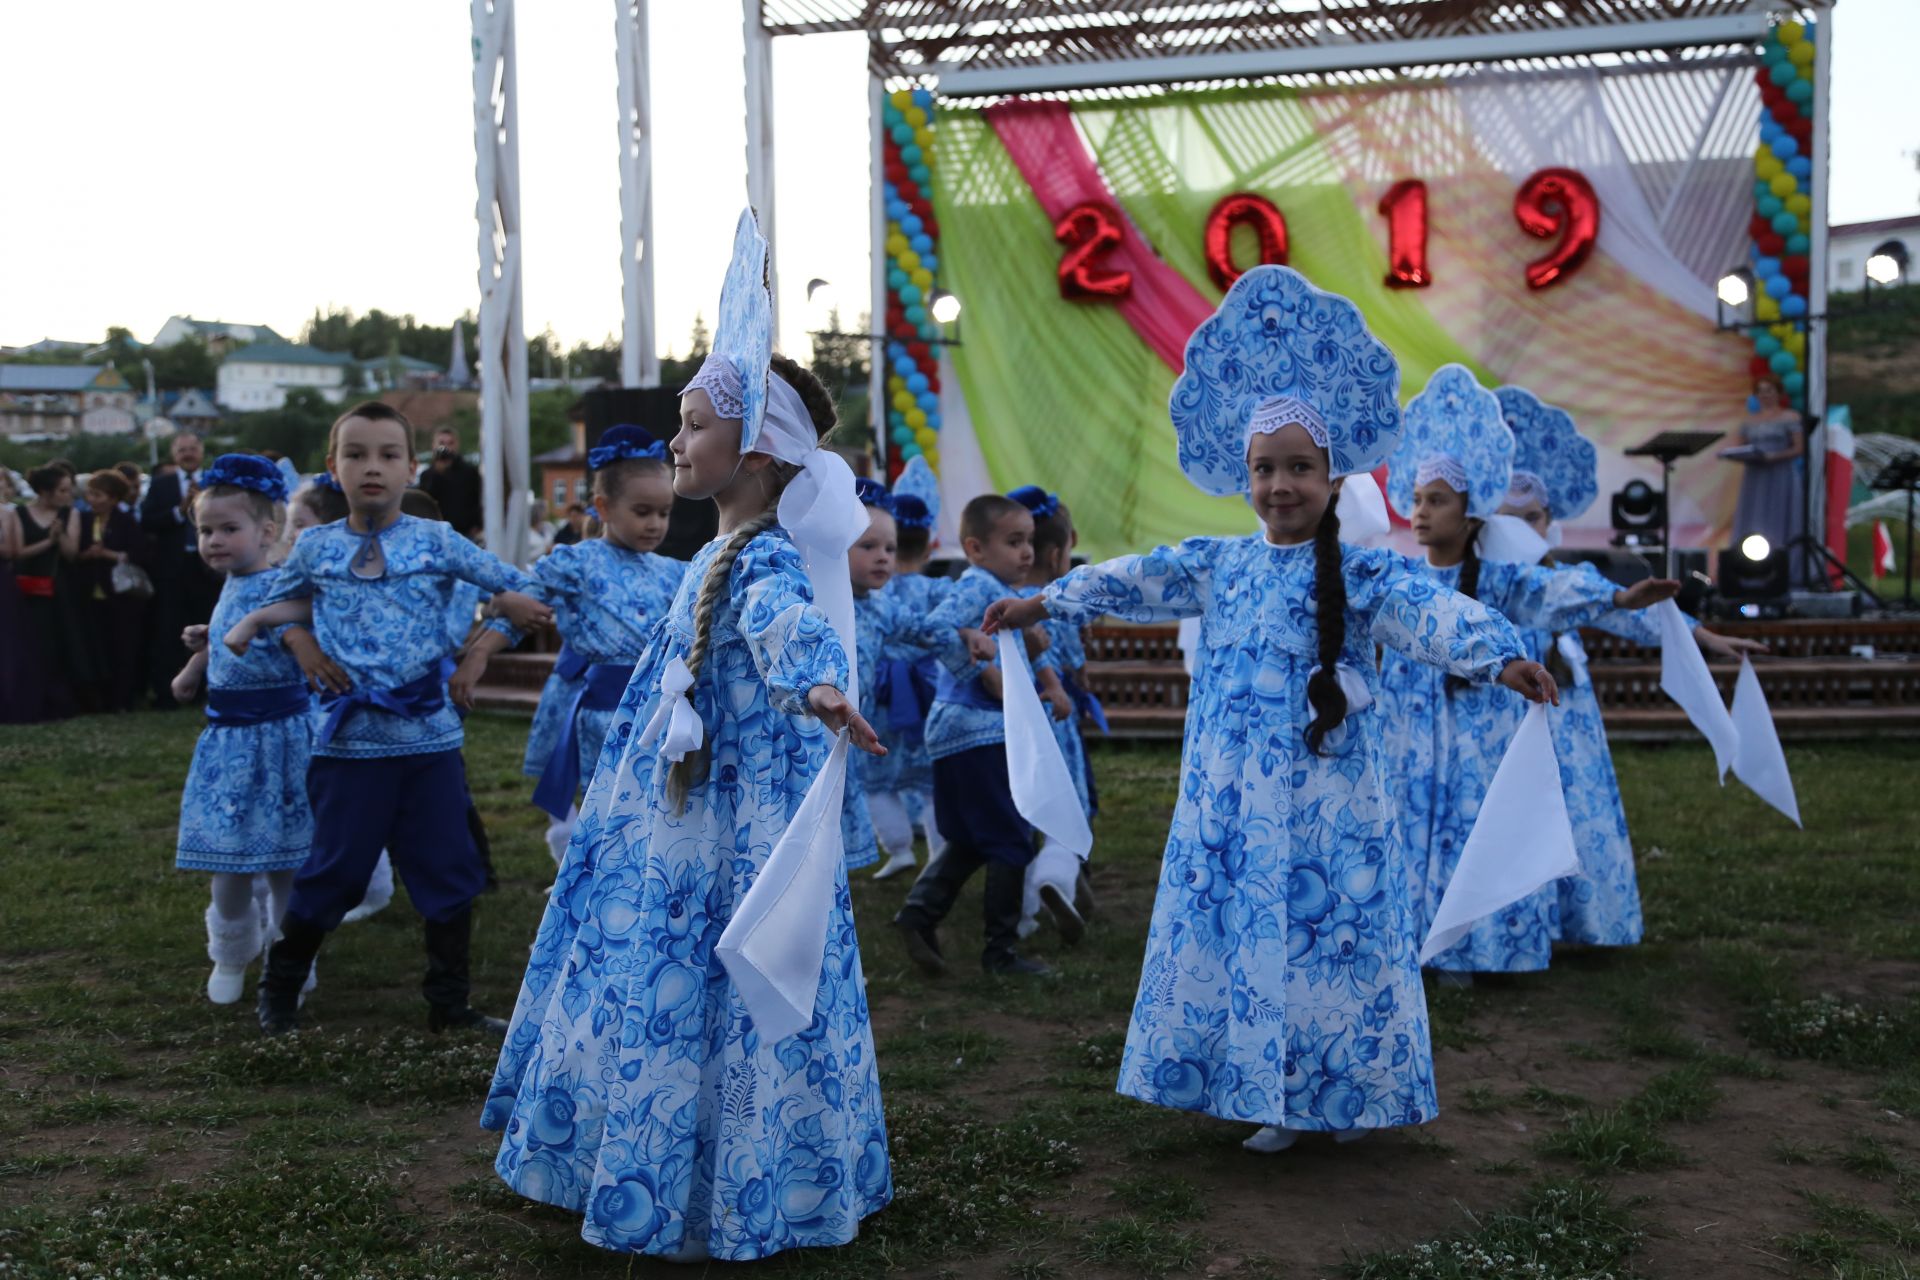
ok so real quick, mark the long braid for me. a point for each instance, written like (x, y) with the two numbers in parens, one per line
(1330, 622)
(1469, 586)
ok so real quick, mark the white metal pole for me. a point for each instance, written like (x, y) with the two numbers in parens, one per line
(504, 462)
(758, 52)
(877, 241)
(639, 354)
(1817, 330)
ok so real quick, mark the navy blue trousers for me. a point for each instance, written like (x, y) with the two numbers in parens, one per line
(973, 805)
(414, 807)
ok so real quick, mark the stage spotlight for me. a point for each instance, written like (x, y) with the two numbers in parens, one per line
(1753, 579)
(945, 308)
(1883, 268)
(1756, 548)
(1733, 300)
(1734, 288)
(1639, 511)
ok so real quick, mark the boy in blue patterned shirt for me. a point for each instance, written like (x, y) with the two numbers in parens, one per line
(386, 761)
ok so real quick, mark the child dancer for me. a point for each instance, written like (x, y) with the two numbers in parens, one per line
(634, 1087)
(244, 810)
(386, 768)
(608, 594)
(1555, 478)
(1444, 741)
(1057, 879)
(966, 738)
(900, 783)
(1281, 984)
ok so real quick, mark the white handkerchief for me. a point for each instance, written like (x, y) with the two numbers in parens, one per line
(1685, 678)
(1511, 540)
(1189, 642)
(1759, 762)
(1521, 841)
(1363, 512)
(777, 940)
(1043, 790)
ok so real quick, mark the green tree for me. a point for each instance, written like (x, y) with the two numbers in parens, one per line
(297, 429)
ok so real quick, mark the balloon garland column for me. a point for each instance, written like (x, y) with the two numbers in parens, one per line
(1782, 232)
(913, 370)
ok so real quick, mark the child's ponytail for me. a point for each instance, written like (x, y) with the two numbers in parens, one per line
(1469, 586)
(1330, 623)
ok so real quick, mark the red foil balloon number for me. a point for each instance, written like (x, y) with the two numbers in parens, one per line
(1558, 202)
(1405, 209)
(1243, 208)
(1091, 231)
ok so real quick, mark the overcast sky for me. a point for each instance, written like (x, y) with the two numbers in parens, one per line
(248, 160)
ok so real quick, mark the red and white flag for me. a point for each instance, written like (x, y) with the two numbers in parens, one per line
(1882, 549)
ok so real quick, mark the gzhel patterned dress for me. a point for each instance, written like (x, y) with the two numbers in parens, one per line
(632, 1089)
(887, 633)
(906, 768)
(1444, 747)
(1281, 984)
(606, 602)
(244, 808)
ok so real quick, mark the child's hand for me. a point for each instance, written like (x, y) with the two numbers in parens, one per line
(238, 637)
(979, 648)
(1038, 641)
(1715, 645)
(1645, 594)
(521, 610)
(1531, 681)
(194, 638)
(990, 682)
(837, 713)
(466, 676)
(1013, 612)
(1062, 704)
(315, 665)
(187, 683)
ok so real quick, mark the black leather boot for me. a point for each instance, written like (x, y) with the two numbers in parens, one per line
(446, 986)
(284, 973)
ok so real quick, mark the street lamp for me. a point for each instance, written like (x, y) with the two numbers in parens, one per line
(945, 308)
(1734, 293)
(1883, 268)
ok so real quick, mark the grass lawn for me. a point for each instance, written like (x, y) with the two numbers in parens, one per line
(1733, 1098)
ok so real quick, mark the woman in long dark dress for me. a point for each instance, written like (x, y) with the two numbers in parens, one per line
(23, 693)
(108, 620)
(49, 533)
(1770, 489)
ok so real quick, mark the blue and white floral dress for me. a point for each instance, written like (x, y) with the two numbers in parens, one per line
(1443, 748)
(1281, 983)
(632, 1088)
(907, 768)
(606, 602)
(1069, 653)
(886, 632)
(244, 808)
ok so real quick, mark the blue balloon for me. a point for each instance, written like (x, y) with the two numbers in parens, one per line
(929, 331)
(896, 279)
(917, 383)
(924, 97)
(1780, 72)
(1784, 146)
(912, 225)
(928, 400)
(930, 261)
(917, 317)
(1794, 306)
(896, 351)
(1800, 167)
(1778, 286)
(1798, 244)
(910, 155)
(1781, 362)
(1769, 206)
(902, 434)
(1800, 91)
(933, 419)
(1786, 223)
(921, 175)
(1793, 383)
(922, 244)
(909, 451)
(903, 134)
(1765, 344)
(909, 293)
(1764, 267)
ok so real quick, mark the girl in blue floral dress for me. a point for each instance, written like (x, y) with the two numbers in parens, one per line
(635, 1087)
(1445, 740)
(1281, 984)
(244, 810)
(1555, 478)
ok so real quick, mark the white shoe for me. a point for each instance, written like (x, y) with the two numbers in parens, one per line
(558, 836)
(226, 985)
(895, 864)
(1270, 1140)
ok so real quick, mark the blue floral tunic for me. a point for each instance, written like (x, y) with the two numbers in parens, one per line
(1069, 654)
(1281, 983)
(906, 767)
(606, 602)
(244, 808)
(886, 633)
(956, 726)
(1443, 749)
(632, 1088)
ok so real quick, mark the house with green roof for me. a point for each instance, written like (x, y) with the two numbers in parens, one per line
(258, 376)
(64, 400)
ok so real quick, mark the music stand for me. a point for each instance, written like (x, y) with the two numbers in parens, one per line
(1668, 448)
(1902, 473)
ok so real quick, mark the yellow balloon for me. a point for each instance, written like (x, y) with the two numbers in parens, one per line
(897, 243)
(901, 98)
(923, 138)
(916, 418)
(1795, 342)
(1768, 169)
(1800, 203)
(903, 401)
(1801, 55)
(909, 260)
(1791, 33)
(895, 384)
(923, 278)
(1780, 331)
(1782, 184)
(916, 116)
(1765, 308)
(1761, 154)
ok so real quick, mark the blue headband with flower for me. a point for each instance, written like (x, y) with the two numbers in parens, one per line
(873, 494)
(619, 444)
(325, 480)
(244, 471)
(911, 513)
(1042, 505)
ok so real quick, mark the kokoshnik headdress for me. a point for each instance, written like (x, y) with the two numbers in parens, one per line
(1280, 352)
(916, 495)
(1455, 432)
(1553, 464)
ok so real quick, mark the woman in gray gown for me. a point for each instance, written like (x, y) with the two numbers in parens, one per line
(1770, 490)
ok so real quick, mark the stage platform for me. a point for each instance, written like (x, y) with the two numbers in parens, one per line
(1817, 680)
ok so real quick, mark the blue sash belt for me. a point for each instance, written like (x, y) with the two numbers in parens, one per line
(905, 690)
(236, 708)
(1085, 703)
(605, 682)
(967, 694)
(416, 699)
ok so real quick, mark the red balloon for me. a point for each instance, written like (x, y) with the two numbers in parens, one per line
(1405, 208)
(1558, 202)
(1796, 264)
(1758, 226)
(1773, 244)
(1243, 208)
(1758, 365)
(1090, 231)
(919, 351)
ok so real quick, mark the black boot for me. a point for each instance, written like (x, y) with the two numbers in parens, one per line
(446, 987)
(284, 973)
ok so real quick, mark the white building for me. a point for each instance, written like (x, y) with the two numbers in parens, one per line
(219, 335)
(259, 376)
(64, 400)
(1851, 244)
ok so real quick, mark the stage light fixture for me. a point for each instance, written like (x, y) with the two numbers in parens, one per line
(945, 308)
(1755, 547)
(1883, 268)
(1735, 287)
(1639, 511)
(1733, 300)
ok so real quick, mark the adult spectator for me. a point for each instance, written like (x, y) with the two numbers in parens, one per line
(109, 610)
(454, 483)
(184, 589)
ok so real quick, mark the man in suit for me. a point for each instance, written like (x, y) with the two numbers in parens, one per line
(184, 589)
(454, 483)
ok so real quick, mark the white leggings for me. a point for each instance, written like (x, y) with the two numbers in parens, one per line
(893, 824)
(233, 895)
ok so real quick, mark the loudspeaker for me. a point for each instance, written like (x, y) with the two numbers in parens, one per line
(655, 410)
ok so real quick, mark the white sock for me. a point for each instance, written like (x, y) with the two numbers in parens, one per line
(1270, 1140)
(559, 833)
